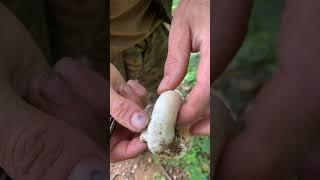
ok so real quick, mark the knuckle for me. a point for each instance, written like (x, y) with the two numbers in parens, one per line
(34, 150)
(172, 61)
(120, 110)
(143, 93)
(138, 88)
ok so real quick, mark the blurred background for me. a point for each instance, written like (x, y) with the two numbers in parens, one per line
(251, 68)
(256, 60)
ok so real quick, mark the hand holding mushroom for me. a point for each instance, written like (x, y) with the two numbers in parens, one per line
(126, 107)
(190, 32)
(168, 134)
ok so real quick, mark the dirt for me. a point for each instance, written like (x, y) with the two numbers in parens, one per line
(172, 149)
(144, 168)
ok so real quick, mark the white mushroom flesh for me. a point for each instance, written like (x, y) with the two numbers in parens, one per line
(161, 135)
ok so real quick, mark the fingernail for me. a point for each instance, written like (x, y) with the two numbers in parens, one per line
(89, 169)
(126, 91)
(139, 121)
(133, 81)
(163, 83)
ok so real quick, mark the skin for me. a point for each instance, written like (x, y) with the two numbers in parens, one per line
(190, 32)
(49, 112)
(122, 108)
(282, 131)
(125, 143)
(74, 111)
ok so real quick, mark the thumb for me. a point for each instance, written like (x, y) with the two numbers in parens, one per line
(127, 113)
(35, 145)
(123, 110)
(178, 55)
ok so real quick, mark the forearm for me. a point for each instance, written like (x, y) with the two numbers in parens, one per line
(229, 23)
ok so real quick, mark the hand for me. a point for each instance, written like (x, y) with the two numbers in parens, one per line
(190, 32)
(125, 144)
(58, 122)
(52, 124)
(281, 135)
(127, 112)
(126, 105)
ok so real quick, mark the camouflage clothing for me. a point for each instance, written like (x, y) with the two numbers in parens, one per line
(61, 28)
(163, 7)
(223, 125)
(145, 61)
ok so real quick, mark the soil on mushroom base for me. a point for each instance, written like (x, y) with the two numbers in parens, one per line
(172, 149)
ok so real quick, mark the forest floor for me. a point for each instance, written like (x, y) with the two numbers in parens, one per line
(144, 168)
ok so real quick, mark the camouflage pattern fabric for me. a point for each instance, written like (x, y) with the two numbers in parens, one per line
(163, 7)
(145, 61)
(223, 125)
(65, 28)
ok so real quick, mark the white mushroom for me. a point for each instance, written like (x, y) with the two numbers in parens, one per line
(161, 136)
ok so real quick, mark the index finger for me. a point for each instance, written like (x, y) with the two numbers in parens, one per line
(84, 82)
(179, 48)
(195, 106)
(124, 145)
(198, 100)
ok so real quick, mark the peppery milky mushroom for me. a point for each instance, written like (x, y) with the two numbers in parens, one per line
(161, 136)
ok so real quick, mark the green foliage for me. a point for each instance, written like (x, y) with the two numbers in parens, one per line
(257, 56)
(175, 4)
(256, 61)
(158, 176)
(196, 162)
(258, 52)
(190, 78)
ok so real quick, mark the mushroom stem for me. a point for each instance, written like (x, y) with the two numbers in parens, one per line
(161, 136)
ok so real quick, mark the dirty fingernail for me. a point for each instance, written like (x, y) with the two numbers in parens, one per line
(89, 169)
(139, 121)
